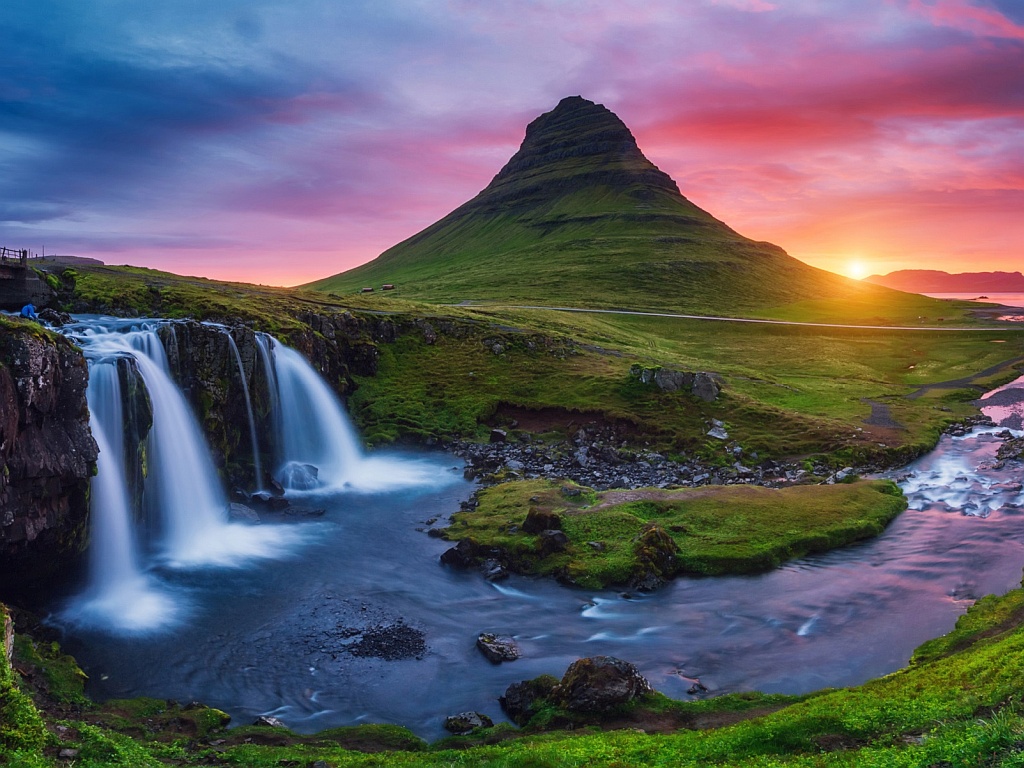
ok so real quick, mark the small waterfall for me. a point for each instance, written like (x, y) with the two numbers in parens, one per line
(318, 448)
(314, 429)
(248, 408)
(265, 348)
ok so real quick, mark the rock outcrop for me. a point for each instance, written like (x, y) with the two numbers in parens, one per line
(47, 454)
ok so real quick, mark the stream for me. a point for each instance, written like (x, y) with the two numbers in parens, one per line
(353, 619)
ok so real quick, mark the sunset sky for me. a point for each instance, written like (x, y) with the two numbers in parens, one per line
(280, 142)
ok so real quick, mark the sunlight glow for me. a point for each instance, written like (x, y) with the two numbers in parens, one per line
(857, 270)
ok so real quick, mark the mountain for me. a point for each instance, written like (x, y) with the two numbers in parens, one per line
(580, 217)
(935, 281)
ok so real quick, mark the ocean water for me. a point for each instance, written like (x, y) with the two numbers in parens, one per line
(1008, 299)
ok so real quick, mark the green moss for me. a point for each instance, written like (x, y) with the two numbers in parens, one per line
(64, 679)
(22, 730)
(707, 530)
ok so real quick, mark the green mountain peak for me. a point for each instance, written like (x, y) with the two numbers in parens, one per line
(578, 216)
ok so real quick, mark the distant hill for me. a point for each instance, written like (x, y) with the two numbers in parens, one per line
(580, 217)
(935, 281)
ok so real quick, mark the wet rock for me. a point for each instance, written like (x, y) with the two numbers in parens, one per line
(55, 317)
(240, 513)
(467, 722)
(465, 554)
(266, 501)
(493, 570)
(497, 648)
(598, 683)
(268, 721)
(521, 699)
(537, 521)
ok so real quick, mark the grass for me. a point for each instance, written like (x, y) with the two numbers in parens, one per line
(790, 391)
(713, 529)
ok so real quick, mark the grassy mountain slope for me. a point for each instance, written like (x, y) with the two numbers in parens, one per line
(580, 217)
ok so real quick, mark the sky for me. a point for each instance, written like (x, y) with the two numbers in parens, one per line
(281, 142)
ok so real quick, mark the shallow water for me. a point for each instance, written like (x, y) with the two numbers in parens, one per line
(269, 638)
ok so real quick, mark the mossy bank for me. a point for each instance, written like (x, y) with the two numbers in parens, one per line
(641, 537)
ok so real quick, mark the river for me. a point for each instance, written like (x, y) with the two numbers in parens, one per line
(306, 635)
(250, 642)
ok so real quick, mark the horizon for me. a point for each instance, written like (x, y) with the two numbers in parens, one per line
(280, 145)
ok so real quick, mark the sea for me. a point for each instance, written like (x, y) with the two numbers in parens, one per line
(1009, 299)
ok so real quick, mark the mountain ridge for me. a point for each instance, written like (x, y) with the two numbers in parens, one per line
(578, 215)
(938, 281)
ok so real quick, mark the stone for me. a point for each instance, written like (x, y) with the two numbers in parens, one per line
(705, 387)
(599, 683)
(499, 435)
(465, 554)
(467, 722)
(521, 699)
(718, 433)
(497, 648)
(268, 721)
(240, 513)
(552, 542)
(538, 520)
(656, 553)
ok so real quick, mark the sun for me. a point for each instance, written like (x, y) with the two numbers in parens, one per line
(856, 269)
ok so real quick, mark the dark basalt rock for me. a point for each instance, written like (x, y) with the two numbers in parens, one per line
(552, 542)
(598, 683)
(538, 520)
(47, 455)
(497, 648)
(521, 699)
(467, 722)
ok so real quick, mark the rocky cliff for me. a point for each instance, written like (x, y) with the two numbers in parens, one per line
(47, 455)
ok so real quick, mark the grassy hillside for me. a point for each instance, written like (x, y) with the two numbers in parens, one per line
(579, 217)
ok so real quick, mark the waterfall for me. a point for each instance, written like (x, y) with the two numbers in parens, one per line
(186, 525)
(314, 430)
(248, 409)
(318, 448)
(120, 594)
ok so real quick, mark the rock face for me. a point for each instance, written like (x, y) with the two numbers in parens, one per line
(47, 454)
(598, 683)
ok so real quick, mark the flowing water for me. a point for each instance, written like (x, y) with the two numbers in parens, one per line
(306, 636)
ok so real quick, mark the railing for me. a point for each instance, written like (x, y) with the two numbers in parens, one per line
(11, 257)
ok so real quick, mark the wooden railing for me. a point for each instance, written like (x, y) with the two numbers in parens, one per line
(11, 257)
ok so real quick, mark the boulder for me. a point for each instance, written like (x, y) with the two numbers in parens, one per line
(497, 648)
(240, 513)
(599, 683)
(551, 542)
(465, 554)
(705, 387)
(538, 520)
(521, 699)
(499, 435)
(467, 722)
(656, 553)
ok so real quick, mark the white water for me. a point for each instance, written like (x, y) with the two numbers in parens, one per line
(318, 452)
(257, 469)
(182, 491)
(315, 432)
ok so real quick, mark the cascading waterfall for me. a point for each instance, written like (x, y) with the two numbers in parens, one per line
(317, 451)
(318, 448)
(257, 468)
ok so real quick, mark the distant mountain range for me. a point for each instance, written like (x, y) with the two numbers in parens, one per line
(935, 281)
(578, 216)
